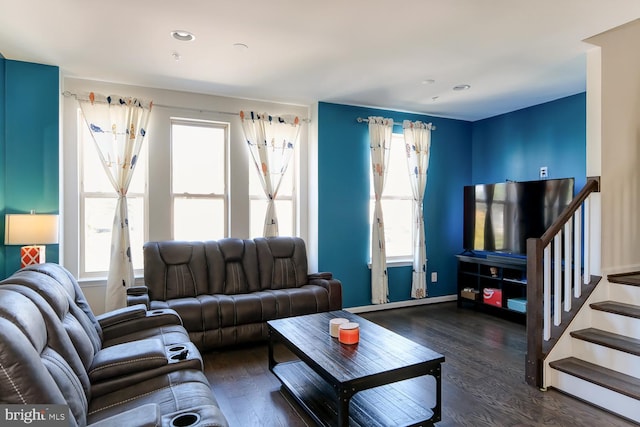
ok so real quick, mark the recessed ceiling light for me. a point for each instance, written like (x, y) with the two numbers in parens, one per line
(462, 87)
(428, 82)
(183, 36)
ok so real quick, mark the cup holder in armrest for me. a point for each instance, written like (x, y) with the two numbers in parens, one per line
(177, 352)
(157, 312)
(184, 420)
(180, 356)
(184, 354)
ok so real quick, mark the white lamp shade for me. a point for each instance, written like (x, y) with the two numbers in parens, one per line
(30, 229)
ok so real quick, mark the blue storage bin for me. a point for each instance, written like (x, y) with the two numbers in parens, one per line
(517, 304)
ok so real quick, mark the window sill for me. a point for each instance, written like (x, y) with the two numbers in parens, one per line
(89, 282)
(399, 262)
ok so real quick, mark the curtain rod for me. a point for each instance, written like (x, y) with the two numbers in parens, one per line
(66, 93)
(430, 126)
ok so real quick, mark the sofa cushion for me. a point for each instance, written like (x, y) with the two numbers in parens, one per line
(71, 286)
(54, 304)
(177, 391)
(282, 262)
(33, 370)
(175, 269)
(59, 296)
(242, 309)
(307, 299)
(233, 266)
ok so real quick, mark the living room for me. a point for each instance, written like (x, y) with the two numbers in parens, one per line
(555, 134)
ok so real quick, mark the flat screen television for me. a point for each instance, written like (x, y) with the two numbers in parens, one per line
(501, 217)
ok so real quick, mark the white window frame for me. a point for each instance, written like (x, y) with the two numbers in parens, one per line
(84, 195)
(210, 196)
(401, 259)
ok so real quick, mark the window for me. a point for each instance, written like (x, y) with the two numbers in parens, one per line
(397, 203)
(198, 179)
(285, 202)
(97, 209)
(193, 181)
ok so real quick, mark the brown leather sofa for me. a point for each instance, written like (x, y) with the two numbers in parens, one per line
(226, 290)
(53, 351)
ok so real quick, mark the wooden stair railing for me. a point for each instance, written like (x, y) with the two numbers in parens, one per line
(554, 283)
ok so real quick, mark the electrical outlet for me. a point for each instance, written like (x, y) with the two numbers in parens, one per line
(544, 172)
(434, 277)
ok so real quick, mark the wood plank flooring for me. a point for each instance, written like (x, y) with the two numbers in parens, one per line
(482, 377)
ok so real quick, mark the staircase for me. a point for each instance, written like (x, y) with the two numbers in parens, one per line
(583, 331)
(598, 359)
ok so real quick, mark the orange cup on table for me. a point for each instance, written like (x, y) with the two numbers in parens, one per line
(349, 333)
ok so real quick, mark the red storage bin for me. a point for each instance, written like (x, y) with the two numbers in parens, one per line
(492, 296)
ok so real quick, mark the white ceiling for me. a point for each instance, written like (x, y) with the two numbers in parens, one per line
(379, 53)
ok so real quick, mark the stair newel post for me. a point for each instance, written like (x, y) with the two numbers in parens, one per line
(534, 361)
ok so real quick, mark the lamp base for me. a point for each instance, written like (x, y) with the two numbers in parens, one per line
(35, 254)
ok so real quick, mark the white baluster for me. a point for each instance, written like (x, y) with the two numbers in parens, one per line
(587, 249)
(577, 253)
(546, 297)
(557, 279)
(567, 266)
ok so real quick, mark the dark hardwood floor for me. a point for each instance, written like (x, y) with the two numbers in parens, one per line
(482, 377)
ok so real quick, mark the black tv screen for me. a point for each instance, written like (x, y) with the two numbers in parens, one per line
(501, 217)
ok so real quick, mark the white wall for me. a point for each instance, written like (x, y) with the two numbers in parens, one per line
(594, 153)
(620, 152)
(183, 104)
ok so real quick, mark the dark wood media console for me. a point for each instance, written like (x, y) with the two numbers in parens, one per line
(508, 275)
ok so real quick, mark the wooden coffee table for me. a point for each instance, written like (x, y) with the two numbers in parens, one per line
(384, 380)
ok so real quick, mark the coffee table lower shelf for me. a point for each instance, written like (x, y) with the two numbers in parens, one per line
(397, 404)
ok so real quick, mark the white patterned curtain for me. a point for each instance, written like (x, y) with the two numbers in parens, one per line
(118, 126)
(271, 141)
(417, 139)
(380, 130)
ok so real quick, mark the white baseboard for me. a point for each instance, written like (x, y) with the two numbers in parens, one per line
(401, 304)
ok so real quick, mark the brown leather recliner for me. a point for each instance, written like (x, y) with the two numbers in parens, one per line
(40, 365)
(226, 290)
(110, 368)
(114, 327)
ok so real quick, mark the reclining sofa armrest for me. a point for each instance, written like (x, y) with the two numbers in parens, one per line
(120, 315)
(141, 416)
(126, 359)
(132, 363)
(333, 286)
(321, 275)
(138, 295)
(128, 320)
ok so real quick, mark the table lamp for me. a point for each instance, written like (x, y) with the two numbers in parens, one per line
(34, 231)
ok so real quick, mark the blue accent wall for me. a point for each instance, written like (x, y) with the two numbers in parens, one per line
(343, 199)
(3, 64)
(515, 145)
(30, 117)
(511, 146)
